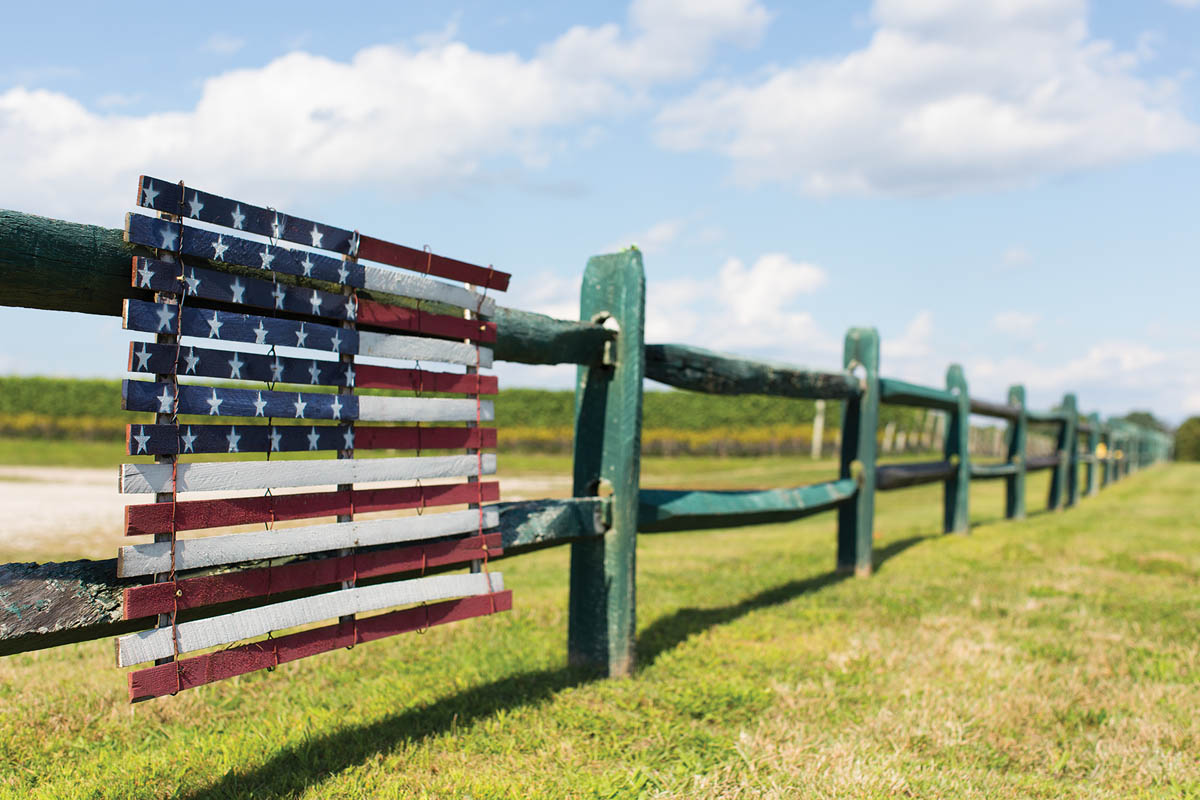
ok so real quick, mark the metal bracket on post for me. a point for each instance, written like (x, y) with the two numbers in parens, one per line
(608, 439)
(860, 419)
(1018, 430)
(957, 452)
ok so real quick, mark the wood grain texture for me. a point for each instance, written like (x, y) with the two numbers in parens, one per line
(168, 439)
(670, 509)
(162, 359)
(227, 476)
(900, 476)
(52, 264)
(699, 370)
(162, 598)
(234, 548)
(897, 392)
(414, 348)
(608, 435)
(860, 421)
(145, 646)
(226, 402)
(189, 673)
(58, 603)
(151, 518)
(206, 207)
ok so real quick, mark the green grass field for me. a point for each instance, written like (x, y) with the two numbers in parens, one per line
(1056, 657)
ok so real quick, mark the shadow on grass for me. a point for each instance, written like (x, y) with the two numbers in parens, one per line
(671, 631)
(301, 766)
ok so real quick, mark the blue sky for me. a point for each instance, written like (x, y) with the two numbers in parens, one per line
(1008, 184)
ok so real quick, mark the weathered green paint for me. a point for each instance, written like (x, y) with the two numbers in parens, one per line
(533, 524)
(699, 370)
(608, 434)
(992, 471)
(1066, 472)
(902, 476)
(903, 393)
(860, 420)
(957, 451)
(63, 266)
(673, 510)
(1093, 445)
(1017, 433)
(530, 338)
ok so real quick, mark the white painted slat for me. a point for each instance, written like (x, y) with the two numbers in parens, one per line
(423, 409)
(199, 634)
(416, 348)
(225, 476)
(152, 557)
(408, 284)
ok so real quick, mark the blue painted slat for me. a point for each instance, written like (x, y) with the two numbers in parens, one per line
(226, 402)
(161, 359)
(231, 249)
(209, 284)
(230, 327)
(165, 196)
(156, 439)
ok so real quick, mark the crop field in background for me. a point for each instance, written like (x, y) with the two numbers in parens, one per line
(1057, 657)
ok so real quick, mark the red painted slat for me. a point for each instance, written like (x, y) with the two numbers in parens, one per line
(401, 318)
(147, 518)
(159, 598)
(369, 376)
(394, 437)
(397, 255)
(189, 673)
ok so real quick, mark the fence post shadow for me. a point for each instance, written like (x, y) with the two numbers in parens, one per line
(667, 633)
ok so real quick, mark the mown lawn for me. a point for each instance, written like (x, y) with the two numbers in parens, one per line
(1056, 657)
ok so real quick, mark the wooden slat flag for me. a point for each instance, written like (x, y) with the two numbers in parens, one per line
(224, 301)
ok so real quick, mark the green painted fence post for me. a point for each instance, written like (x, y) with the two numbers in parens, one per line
(1106, 463)
(860, 419)
(1060, 477)
(1071, 407)
(608, 443)
(1018, 429)
(957, 452)
(1093, 446)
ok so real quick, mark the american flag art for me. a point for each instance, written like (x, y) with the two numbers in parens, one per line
(233, 284)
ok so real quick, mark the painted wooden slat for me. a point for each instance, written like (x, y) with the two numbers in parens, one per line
(199, 634)
(163, 598)
(408, 284)
(232, 249)
(234, 548)
(230, 662)
(899, 476)
(900, 392)
(227, 476)
(669, 509)
(150, 518)
(228, 402)
(168, 439)
(412, 348)
(209, 284)
(165, 359)
(164, 196)
(231, 327)
(698, 370)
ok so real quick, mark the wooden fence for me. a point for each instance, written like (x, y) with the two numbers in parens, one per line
(49, 264)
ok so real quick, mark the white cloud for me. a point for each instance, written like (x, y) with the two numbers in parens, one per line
(654, 239)
(1020, 324)
(913, 343)
(1016, 256)
(392, 114)
(222, 44)
(948, 95)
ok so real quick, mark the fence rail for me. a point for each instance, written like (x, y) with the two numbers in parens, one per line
(63, 266)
